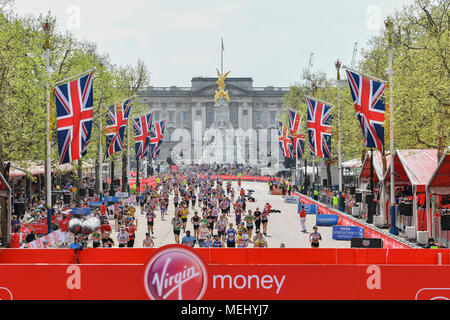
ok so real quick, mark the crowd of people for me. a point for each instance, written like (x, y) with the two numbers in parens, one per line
(221, 169)
(217, 212)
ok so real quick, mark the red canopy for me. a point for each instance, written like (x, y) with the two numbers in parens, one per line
(440, 180)
(414, 167)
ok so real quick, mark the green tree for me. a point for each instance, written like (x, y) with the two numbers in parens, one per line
(421, 88)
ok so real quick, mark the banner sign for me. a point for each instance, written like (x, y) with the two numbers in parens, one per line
(81, 211)
(111, 199)
(52, 239)
(347, 233)
(292, 199)
(327, 220)
(121, 195)
(218, 274)
(310, 208)
(95, 204)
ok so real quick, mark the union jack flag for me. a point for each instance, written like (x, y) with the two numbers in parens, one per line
(157, 137)
(284, 139)
(319, 128)
(116, 123)
(142, 127)
(298, 139)
(370, 108)
(74, 106)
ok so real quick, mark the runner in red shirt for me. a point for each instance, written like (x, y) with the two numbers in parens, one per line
(105, 227)
(103, 210)
(131, 229)
(65, 228)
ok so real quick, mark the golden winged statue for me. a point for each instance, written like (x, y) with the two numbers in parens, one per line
(221, 83)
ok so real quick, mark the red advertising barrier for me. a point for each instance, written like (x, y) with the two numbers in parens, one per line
(224, 274)
(388, 242)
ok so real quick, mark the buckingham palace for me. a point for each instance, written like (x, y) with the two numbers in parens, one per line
(193, 109)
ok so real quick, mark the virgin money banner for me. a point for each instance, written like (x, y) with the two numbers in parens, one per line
(182, 273)
(309, 208)
(326, 220)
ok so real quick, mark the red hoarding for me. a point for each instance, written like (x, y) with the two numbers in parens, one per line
(176, 272)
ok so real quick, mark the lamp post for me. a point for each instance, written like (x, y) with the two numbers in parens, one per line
(47, 29)
(389, 26)
(341, 200)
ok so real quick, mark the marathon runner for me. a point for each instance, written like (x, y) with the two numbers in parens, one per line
(195, 220)
(231, 236)
(177, 223)
(148, 242)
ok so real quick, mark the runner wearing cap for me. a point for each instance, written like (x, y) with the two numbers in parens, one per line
(208, 242)
(241, 239)
(217, 243)
(107, 241)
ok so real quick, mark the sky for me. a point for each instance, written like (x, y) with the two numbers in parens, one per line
(269, 41)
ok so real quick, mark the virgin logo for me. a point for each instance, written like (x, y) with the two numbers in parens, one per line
(5, 294)
(175, 274)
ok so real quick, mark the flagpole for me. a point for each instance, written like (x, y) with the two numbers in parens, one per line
(76, 76)
(128, 155)
(341, 200)
(100, 148)
(221, 61)
(393, 230)
(48, 151)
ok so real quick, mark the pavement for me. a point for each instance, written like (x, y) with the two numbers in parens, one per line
(283, 227)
